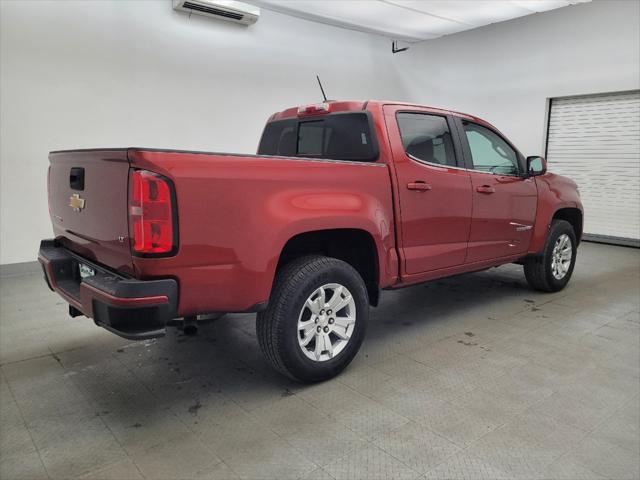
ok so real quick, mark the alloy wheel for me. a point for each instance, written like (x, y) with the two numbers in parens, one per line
(561, 256)
(326, 322)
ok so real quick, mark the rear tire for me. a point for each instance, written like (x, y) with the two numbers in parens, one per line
(299, 334)
(551, 270)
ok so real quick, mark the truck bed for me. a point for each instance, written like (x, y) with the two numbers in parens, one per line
(235, 213)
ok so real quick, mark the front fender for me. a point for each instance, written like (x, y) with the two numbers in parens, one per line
(555, 192)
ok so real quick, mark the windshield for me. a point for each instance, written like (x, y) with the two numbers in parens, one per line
(337, 136)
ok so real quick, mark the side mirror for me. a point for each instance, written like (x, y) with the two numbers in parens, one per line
(536, 166)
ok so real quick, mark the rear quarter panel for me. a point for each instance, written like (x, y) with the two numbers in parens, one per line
(236, 213)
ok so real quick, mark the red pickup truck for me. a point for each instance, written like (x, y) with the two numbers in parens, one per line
(344, 198)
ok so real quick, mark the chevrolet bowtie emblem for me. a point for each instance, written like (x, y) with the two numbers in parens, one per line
(76, 202)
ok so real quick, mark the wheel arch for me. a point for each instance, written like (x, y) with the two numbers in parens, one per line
(572, 215)
(546, 214)
(355, 246)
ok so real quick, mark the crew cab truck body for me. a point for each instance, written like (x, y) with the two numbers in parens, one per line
(342, 200)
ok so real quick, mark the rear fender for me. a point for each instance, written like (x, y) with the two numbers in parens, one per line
(312, 212)
(237, 212)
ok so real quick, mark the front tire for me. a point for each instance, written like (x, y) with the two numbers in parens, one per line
(316, 318)
(551, 270)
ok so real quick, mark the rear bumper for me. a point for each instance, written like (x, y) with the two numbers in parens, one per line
(133, 309)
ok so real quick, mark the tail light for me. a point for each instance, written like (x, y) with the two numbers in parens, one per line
(152, 224)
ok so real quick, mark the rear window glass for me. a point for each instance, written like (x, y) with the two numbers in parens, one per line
(337, 136)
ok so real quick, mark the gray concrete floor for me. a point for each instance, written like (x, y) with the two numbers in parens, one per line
(474, 377)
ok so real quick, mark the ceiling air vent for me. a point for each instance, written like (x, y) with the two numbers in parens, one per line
(233, 11)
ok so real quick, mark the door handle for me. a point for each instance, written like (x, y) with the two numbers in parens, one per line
(419, 185)
(485, 189)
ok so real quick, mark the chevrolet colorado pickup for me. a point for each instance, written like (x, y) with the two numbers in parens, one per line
(343, 199)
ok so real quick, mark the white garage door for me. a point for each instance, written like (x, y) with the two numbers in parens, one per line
(595, 140)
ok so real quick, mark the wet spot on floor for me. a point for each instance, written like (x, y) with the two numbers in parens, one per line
(193, 409)
(243, 369)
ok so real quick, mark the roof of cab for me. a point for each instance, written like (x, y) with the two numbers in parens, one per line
(355, 105)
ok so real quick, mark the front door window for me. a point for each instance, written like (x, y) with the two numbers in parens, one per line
(489, 152)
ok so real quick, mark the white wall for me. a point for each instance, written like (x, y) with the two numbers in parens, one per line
(505, 72)
(135, 73)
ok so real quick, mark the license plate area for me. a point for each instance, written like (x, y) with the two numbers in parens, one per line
(85, 271)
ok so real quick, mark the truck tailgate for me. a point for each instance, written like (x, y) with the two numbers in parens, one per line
(88, 191)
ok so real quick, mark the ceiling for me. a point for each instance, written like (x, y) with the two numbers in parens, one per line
(411, 20)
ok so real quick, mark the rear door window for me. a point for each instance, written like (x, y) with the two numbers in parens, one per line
(337, 136)
(427, 138)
